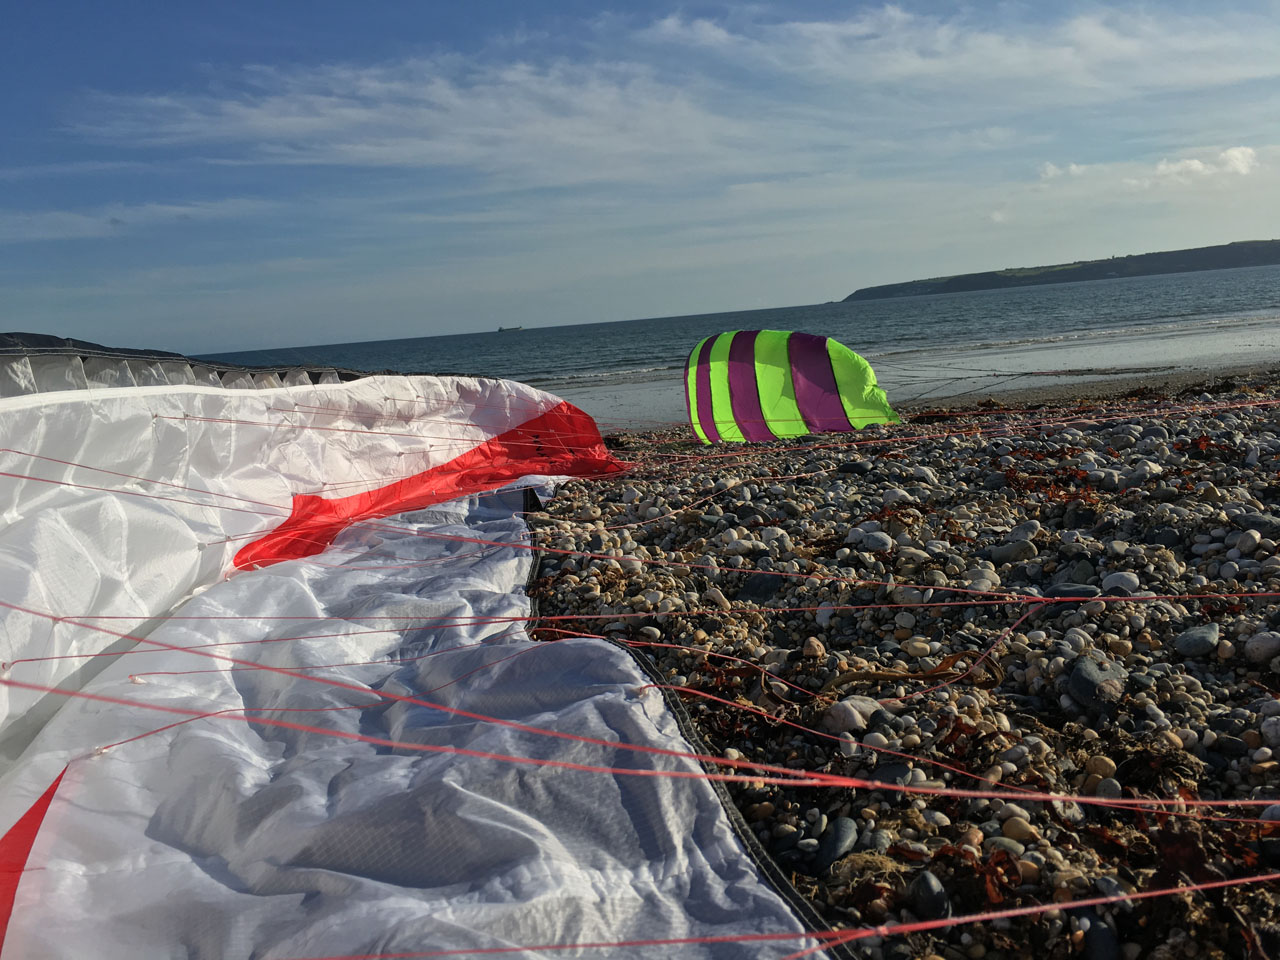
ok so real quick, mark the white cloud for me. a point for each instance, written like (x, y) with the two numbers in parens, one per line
(1241, 160)
(697, 32)
(754, 98)
(1233, 162)
(18, 226)
(539, 125)
(67, 169)
(1193, 166)
(1099, 54)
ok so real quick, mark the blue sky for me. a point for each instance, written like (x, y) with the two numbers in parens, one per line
(207, 177)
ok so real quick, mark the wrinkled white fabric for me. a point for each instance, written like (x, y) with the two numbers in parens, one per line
(221, 837)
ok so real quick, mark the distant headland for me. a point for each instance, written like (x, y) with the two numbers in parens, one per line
(1242, 253)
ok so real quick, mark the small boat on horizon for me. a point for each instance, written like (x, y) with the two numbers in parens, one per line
(508, 329)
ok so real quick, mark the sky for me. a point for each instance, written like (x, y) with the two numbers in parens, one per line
(205, 177)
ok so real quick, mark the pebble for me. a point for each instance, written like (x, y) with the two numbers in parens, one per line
(1108, 788)
(1014, 552)
(916, 648)
(1124, 579)
(716, 597)
(1072, 590)
(1262, 647)
(760, 588)
(1101, 943)
(1096, 685)
(1198, 641)
(877, 541)
(1008, 844)
(928, 897)
(1029, 871)
(1017, 828)
(1270, 730)
(837, 840)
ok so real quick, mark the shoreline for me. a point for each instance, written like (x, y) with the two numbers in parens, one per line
(1118, 384)
(1006, 605)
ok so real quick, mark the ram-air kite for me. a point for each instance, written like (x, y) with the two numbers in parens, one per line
(769, 384)
(267, 689)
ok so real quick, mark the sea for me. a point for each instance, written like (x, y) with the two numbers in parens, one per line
(629, 374)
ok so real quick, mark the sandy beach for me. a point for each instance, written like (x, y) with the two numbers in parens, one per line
(996, 624)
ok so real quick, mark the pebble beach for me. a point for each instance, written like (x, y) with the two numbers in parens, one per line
(1004, 621)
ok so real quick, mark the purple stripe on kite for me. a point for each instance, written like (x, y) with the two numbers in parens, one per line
(705, 417)
(743, 390)
(815, 383)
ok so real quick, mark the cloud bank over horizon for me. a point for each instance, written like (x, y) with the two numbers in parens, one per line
(612, 166)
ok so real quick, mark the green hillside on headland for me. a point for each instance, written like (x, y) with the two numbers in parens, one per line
(1242, 253)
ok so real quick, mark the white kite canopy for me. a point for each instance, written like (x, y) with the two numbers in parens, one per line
(267, 690)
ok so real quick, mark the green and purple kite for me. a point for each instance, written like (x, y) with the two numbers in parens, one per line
(769, 384)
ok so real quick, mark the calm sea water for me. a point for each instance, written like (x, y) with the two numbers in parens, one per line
(919, 346)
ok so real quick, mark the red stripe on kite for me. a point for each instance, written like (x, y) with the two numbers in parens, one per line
(564, 441)
(744, 390)
(706, 416)
(817, 393)
(15, 847)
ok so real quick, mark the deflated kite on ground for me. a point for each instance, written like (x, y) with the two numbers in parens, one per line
(267, 690)
(770, 384)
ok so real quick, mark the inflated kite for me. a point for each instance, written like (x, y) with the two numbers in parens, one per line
(769, 384)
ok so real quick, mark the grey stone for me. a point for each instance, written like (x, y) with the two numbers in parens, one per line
(785, 837)
(878, 841)
(1108, 788)
(898, 773)
(1101, 943)
(1124, 579)
(1267, 524)
(1230, 746)
(877, 541)
(1248, 543)
(837, 840)
(1072, 590)
(1262, 647)
(856, 467)
(1198, 641)
(1068, 810)
(1082, 571)
(1013, 552)
(1023, 531)
(1095, 685)
(992, 844)
(1271, 731)
(760, 587)
(928, 897)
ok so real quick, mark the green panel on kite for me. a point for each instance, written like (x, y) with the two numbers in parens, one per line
(864, 402)
(777, 392)
(691, 391)
(721, 404)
